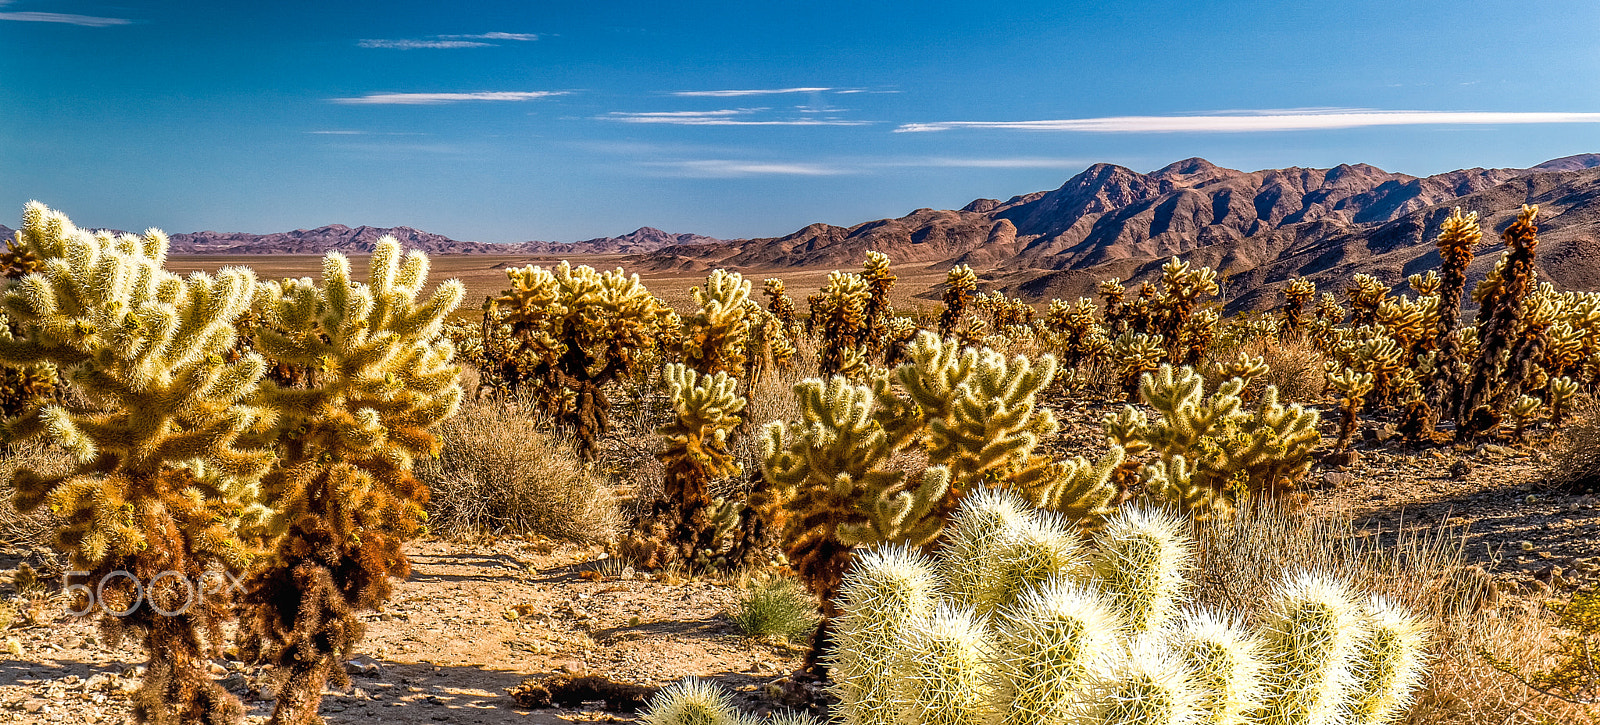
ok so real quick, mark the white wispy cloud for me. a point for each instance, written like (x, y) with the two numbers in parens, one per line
(494, 36)
(730, 168)
(1307, 120)
(422, 44)
(88, 21)
(751, 92)
(727, 168)
(474, 40)
(432, 99)
(722, 117)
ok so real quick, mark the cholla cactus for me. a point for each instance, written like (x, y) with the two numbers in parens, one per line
(1067, 650)
(1392, 660)
(1367, 294)
(890, 590)
(976, 413)
(1244, 367)
(1425, 285)
(1353, 388)
(716, 336)
(146, 348)
(1523, 414)
(1136, 354)
(582, 329)
(1562, 392)
(1500, 319)
(1182, 287)
(878, 311)
(1112, 293)
(944, 670)
(1312, 637)
(1141, 565)
(1295, 296)
(1458, 240)
(831, 487)
(692, 702)
(1226, 667)
(897, 335)
(960, 285)
(686, 524)
(974, 416)
(772, 346)
(780, 305)
(841, 320)
(1211, 448)
(342, 489)
(1054, 640)
(1073, 331)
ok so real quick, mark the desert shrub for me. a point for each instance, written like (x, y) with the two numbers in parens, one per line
(1575, 465)
(501, 471)
(776, 608)
(1294, 367)
(35, 529)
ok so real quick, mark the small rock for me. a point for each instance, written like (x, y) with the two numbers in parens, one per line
(574, 667)
(1337, 479)
(1460, 469)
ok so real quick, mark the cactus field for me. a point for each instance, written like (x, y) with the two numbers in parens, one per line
(389, 488)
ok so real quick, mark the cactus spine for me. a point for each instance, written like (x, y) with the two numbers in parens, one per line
(888, 591)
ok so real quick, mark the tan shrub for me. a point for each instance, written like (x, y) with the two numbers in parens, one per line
(501, 472)
(31, 530)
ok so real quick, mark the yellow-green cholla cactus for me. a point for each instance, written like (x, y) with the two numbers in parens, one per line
(342, 488)
(147, 349)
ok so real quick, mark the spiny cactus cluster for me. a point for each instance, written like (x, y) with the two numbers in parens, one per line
(687, 524)
(342, 489)
(1209, 450)
(959, 288)
(1020, 621)
(580, 330)
(833, 476)
(191, 461)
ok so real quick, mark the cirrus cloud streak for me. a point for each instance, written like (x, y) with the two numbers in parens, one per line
(87, 21)
(1259, 122)
(434, 99)
(723, 117)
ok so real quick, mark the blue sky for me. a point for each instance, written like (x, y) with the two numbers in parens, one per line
(507, 121)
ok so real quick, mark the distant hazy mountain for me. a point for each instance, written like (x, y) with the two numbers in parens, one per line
(338, 237)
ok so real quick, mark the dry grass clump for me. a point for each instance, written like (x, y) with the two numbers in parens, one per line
(501, 472)
(1427, 571)
(776, 609)
(31, 530)
(1575, 466)
(1295, 367)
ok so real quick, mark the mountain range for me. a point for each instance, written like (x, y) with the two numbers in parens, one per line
(359, 240)
(1258, 228)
